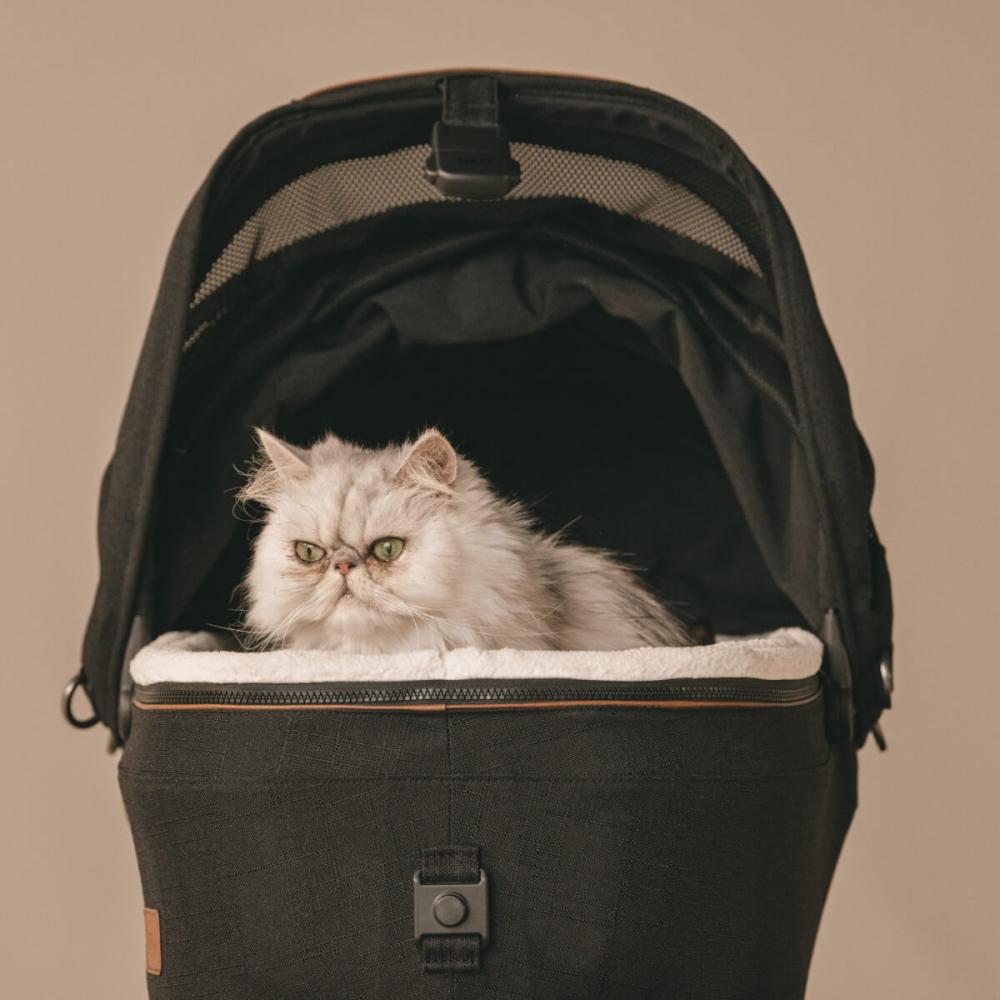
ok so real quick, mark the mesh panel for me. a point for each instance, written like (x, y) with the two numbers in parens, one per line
(338, 193)
(628, 189)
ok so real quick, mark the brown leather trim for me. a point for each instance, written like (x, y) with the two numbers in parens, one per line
(458, 70)
(476, 706)
(154, 960)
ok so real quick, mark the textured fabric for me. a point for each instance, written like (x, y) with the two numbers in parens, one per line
(631, 853)
(178, 657)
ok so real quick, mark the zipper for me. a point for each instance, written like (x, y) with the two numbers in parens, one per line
(474, 695)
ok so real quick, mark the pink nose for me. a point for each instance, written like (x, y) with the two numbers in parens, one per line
(344, 568)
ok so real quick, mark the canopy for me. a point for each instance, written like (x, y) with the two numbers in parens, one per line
(626, 339)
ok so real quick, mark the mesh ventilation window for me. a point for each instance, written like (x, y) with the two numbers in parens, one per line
(339, 193)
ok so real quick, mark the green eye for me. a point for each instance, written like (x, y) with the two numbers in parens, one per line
(307, 552)
(387, 549)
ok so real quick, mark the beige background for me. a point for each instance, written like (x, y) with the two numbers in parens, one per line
(876, 123)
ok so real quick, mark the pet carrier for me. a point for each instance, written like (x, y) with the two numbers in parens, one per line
(590, 288)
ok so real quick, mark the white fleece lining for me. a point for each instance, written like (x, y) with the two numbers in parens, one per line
(197, 657)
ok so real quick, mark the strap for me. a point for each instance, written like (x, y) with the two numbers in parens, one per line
(456, 953)
(450, 864)
(458, 865)
(470, 152)
(471, 100)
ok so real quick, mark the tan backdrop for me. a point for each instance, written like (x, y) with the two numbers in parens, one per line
(875, 122)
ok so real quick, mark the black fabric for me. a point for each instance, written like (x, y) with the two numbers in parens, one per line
(130, 480)
(607, 118)
(630, 852)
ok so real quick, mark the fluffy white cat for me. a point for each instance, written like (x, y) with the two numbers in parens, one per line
(408, 547)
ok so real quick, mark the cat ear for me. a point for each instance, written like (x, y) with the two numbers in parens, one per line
(431, 461)
(277, 462)
(285, 458)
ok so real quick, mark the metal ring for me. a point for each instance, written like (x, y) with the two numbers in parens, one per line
(886, 676)
(67, 703)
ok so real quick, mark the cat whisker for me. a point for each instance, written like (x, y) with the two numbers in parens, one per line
(278, 633)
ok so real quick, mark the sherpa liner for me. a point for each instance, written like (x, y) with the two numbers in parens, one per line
(600, 301)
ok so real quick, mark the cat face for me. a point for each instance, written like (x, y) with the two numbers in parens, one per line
(358, 544)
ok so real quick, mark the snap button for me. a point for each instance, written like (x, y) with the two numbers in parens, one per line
(450, 909)
(443, 908)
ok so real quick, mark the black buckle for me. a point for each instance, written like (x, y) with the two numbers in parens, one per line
(471, 162)
(470, 152)
(447, 908)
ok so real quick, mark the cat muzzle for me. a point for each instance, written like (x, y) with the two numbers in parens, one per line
(345, 559)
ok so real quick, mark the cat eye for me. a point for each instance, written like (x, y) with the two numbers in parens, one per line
(386, 549)
(307, 552)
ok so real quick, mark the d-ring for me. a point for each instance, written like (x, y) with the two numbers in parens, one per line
(67, 703)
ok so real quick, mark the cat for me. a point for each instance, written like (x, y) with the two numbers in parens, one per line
(408, 547)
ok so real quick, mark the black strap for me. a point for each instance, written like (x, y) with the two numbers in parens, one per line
(452, 866)
(471, 100)
(454, 953)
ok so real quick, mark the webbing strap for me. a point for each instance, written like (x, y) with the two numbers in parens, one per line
(455, 953)
(450, 864)
(471, 100)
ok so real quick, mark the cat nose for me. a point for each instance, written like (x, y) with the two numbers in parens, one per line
(345, 567)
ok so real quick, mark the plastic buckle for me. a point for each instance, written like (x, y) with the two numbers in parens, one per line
(444, 908)
(471, 161)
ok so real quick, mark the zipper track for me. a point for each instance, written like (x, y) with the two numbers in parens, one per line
(774, 692)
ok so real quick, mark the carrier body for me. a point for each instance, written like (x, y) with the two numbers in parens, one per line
(637, 844)
(596, 295)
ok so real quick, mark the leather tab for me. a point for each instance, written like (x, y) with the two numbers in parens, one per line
(154, 958)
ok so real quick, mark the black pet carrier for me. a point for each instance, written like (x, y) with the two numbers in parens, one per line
(600, 300)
